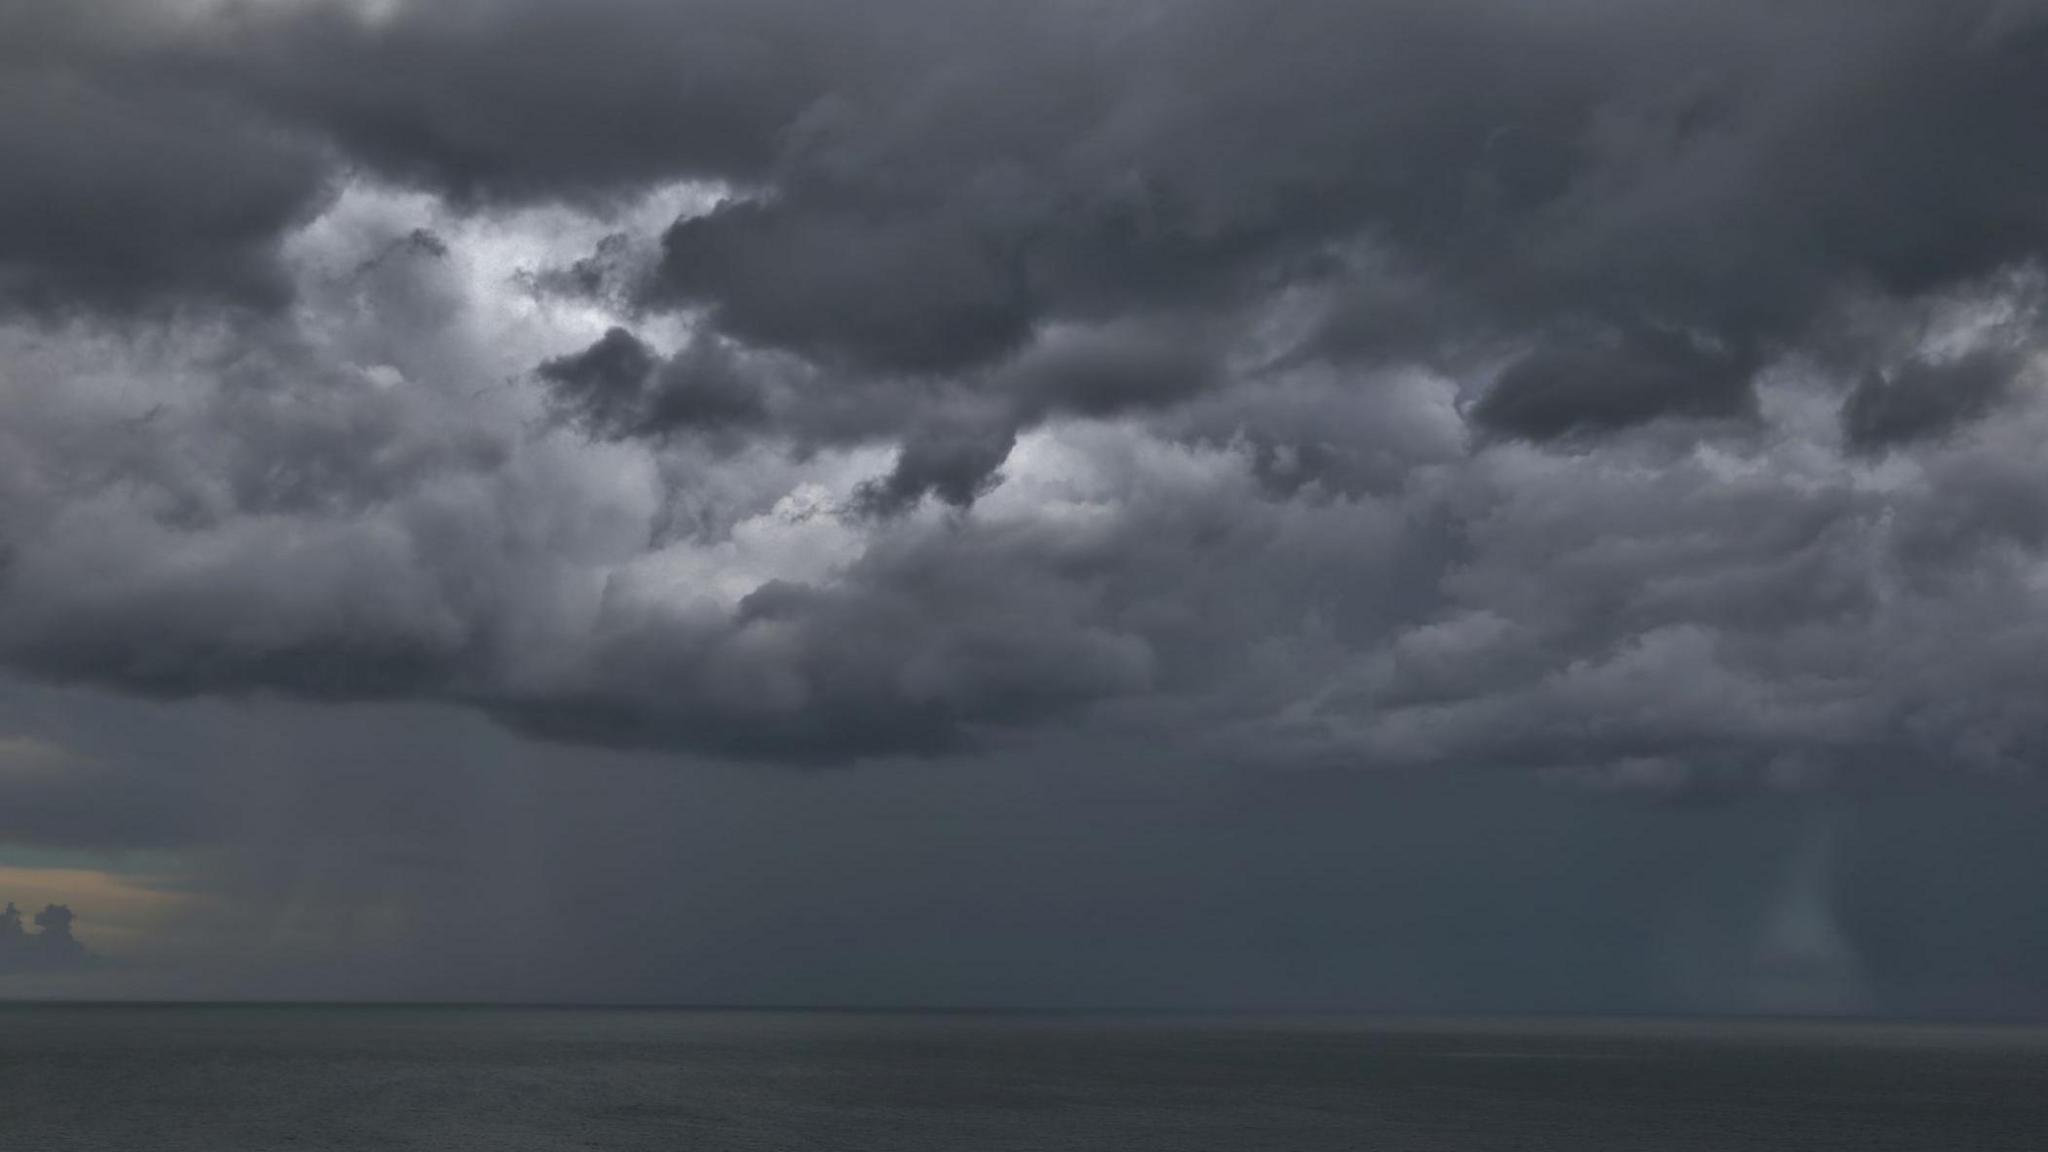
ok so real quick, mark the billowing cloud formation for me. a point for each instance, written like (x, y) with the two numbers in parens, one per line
(1644, 391)
(618, 389)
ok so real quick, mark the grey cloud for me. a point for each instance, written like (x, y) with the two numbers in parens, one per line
(326, 621)
(1719, 628)
(955, 463)
(927, 182)
(915, 650)
(603, 274)
(707, 385)
(133, 195)
(538, 99)
(1107, 370)
(1186, 313)
(1696, 187)
(923, 195)
(907, 295)
(1077, 372)
(957, 435)
(1581, 385)
(1625, 607)
(1922, 398)
(618, 388)
(358, 540)
(606, 381)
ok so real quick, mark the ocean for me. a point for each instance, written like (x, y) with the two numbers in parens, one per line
(109, 1078)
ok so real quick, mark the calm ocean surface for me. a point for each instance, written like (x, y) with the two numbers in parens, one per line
(242, 1079)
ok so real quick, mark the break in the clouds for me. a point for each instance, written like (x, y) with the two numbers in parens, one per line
(1648, 390)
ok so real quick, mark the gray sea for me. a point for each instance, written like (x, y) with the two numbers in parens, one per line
(451, 1079)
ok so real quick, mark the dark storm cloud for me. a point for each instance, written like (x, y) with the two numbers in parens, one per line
(1601, 384)
(528, 98)
(956, 464)
(1723, 178)
(128, 194)
(927, 182)
(1394, 382)
(605, 382)
(889, 295)
(1921, 399)
(619, 388)
(1728, 176)
(957, 437)
(1109, 370)
(956, 456)
(920, 647)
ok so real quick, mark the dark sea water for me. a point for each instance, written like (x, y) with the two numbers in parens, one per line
(241, 1079)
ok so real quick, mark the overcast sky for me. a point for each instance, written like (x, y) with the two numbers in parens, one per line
(1412, 504)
